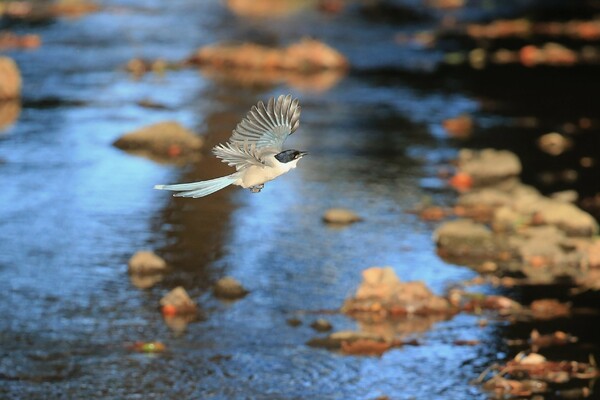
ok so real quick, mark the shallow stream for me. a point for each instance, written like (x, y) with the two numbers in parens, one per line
(74, 209)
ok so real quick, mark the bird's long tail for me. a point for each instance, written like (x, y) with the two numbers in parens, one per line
(199, 189)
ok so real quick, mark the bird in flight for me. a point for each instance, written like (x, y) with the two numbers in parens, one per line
(255, 149)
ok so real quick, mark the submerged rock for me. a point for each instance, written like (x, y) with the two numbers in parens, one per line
(340, 216)
(359, 343)
(138, 67)
(10, 79)
(9, 40)
(163, 142)
(381, 293)
(321, 325)
(147, 347)
(229, 288)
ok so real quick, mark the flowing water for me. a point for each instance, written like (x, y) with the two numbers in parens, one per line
(74, 209)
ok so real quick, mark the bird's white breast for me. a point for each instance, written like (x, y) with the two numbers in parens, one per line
(256, 175)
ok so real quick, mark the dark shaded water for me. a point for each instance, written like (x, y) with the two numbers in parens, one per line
(74, 209)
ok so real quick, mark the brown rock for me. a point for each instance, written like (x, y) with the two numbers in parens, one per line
(146, 262)
(488, 165)
(460, 127)
(229, 288)
(554, 143)
(359, 343)
(163, 142)
(463, 233)
(73, 8)
(549, 309)
(10, 79)
(42, 11)
(266, 8)
(382, 293)
(566, 216)
(9, 40)
(593, 254)
(306, 56)
(179, 300)
(340, 216)
(321, 325)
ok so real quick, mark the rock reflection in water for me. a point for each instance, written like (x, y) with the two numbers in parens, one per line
(9, 114)
(268, 8)
(391, 329)
(318, 81)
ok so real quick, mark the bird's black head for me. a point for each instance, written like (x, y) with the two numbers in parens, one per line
(289, 155)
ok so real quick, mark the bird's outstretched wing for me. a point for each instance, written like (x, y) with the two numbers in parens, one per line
(238, 156)
(267, 127)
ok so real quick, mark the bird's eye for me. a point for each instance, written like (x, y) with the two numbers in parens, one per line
(296, 156)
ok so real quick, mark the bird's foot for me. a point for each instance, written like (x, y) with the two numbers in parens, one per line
(257, 188)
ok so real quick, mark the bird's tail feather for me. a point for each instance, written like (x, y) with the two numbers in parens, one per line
(199, 189)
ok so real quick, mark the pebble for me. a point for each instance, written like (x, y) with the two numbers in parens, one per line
(340, 216)
(321, 325)
(229, 288)
(146, 262)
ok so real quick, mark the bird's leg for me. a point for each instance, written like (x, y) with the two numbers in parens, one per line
(257, 188)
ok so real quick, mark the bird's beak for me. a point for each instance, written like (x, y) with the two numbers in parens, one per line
(303, 153)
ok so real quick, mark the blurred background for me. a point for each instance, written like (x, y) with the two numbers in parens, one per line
(390, 91)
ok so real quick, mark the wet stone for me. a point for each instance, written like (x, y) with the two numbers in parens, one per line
(463, 238)
(488, 165)
(229, 288)
(334, 340)
(146, 262)
(179, 301)
(359, 343)
(544, 309)
(163, 142)
(506, 194)
(10, 79)
(304, 56)
(340, 216)
(566, 216)
(321, 325)
(381, 293)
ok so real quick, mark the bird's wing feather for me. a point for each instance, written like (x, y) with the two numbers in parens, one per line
(238, 156)
(267, 127)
